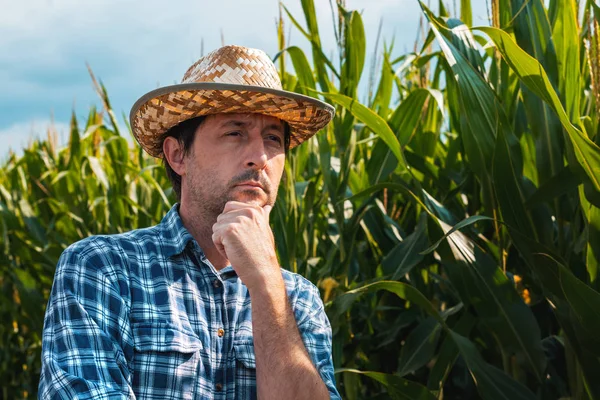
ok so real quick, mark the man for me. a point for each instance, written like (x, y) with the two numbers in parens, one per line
(197, 307)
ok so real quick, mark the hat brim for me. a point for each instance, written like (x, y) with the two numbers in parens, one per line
(161, 109)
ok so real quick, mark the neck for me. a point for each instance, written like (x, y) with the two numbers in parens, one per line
(200, 227)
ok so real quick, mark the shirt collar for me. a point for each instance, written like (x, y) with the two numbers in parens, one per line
(174, 235)
(176, 238)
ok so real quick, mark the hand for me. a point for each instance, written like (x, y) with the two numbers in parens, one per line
(242, 234)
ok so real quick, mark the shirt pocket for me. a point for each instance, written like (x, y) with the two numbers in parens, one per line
(244, 354)
(164, 337)
(166, 360)
(245, 369)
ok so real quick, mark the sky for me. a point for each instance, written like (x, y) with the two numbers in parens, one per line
(137, 46)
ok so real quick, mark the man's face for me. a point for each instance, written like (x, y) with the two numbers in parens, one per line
(234, 157)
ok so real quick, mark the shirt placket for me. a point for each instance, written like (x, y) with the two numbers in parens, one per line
(218, 338)
(219, 334)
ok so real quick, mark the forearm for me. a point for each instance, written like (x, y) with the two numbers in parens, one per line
(283, 366)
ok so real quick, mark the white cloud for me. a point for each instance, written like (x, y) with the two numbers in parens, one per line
(155, 40)
(19, 135)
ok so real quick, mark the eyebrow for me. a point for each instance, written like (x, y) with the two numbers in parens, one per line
(232, 122)
(278, 127)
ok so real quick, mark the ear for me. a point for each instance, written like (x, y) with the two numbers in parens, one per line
(173, 152)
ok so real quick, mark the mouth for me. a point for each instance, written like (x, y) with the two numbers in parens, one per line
(250, 185)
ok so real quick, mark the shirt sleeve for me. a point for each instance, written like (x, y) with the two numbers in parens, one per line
(315, 330)
(87, 342)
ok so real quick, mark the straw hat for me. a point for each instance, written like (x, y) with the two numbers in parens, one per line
(232, 79)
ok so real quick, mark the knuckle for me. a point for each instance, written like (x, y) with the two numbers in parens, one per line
(231, 228)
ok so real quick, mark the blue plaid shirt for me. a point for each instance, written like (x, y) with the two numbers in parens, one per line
(145, 315)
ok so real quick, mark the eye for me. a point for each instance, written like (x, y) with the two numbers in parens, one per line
(234, 133)
(275, 138)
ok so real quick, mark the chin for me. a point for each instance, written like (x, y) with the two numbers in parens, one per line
(250, 197)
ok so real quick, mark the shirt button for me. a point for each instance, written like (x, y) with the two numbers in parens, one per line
(217, 283)
(219, 387)
(220, 332)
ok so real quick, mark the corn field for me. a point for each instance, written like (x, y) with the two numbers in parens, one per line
(451, 218)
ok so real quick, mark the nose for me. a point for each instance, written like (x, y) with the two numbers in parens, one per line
(256, 155)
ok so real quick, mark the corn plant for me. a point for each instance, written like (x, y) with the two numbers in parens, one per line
(50, 198)
(454, 231)
(450, 215)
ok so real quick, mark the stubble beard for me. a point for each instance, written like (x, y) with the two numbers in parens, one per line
(209, 197)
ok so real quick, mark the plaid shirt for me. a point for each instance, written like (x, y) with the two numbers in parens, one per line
(145, 315)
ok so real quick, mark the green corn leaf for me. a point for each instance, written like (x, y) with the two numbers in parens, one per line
(442, 9)
(576, 299)
(481, 115)
(584, 384)
(96, 167)
(475, 276)
(402, 290)
(373, 121)
(398, 388)
(466, 14)
(419, 347)
(509, 192)
(319, 58)
(562, 183)
(355, 48)
(448, 352)
(383, 95)
(492, 383)
(469, 221)
(482, 284)
(585, 303)
(6, 196)
(301, 67)
(382, 232)
(406, 254)
(592, 216)
(565, 34)
(403, 121)
(533, 34)
(33, 223)
(74, 152)
(585, 153)
(463, 41)
(406, 117)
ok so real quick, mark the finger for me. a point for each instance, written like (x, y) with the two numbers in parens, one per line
(236, 216)
(217, 239)
(237, 205)
(228, 216)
